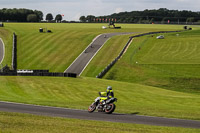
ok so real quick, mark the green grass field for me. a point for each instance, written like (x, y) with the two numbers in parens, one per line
(164, 82)
(56, 51)
(23, 123)
(79, 93)
(171, 63)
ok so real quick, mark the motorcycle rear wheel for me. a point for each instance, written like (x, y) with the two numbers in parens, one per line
(91, 108)
(110, 108)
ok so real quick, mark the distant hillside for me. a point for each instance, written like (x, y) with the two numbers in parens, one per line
(161, 15)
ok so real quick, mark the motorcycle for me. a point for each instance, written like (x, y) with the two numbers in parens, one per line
(106, 106)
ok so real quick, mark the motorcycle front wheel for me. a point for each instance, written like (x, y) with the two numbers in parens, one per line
(91, 108)
(110, 108)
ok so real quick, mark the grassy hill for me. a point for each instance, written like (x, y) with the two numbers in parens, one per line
(171, 63)
(56, 51)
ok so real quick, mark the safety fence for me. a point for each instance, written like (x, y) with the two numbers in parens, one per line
(14, 53)
(105, 70)
(53, 74)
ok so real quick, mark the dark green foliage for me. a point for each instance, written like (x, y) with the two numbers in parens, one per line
(82, 19)
(32, 18)
(161, 15)
(49, 17)
(90, 18)
(58, 18)
(19, 15)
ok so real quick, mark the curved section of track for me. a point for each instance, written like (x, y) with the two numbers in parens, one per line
(1, 50)
(81, 114)
(86, 56)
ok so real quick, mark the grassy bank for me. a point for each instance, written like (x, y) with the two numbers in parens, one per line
(79, 93)
(6, 36)
(23, 123)
(170, 63)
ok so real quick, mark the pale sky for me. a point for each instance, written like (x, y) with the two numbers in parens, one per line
(73, 9)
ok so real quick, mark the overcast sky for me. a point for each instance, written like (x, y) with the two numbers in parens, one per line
(73, 9)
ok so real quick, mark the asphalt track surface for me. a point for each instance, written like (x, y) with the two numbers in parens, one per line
(1, 50)
(85, 57)
(84, 115)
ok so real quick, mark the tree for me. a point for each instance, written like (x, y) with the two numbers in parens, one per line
(90, 18)
(190, 20)
(18, 15)
(49, 17)
(58, 18)
(82, 19)
(32, 18)
(39, 15)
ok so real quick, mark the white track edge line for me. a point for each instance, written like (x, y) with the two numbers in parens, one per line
(83, 52)
(93, 56)
(3, 50)
(45, 106)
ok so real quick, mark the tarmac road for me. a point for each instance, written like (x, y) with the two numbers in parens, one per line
(1, 51)
(82, 114)
(85, 57)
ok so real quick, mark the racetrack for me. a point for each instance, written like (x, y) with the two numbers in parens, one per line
(86, 56)
(1, 50)
(82, 114)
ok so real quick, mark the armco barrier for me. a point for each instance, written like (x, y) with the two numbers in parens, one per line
(8, 74)
(48, 74)
(101, 74)
(39, 74)
(14, 53)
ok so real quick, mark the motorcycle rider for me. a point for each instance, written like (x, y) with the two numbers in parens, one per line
(105, 95)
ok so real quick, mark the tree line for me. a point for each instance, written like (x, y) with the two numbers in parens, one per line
(162, 15)
(20, 15)
(26, 15)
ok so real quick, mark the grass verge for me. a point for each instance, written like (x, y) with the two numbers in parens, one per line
(79, 94)
(23, 123)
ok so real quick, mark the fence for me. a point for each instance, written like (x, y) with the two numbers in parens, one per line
(101, 74)
(12, 73)
(53, 74)
(14, 53)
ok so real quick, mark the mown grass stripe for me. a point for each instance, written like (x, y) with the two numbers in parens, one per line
(48, 51)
